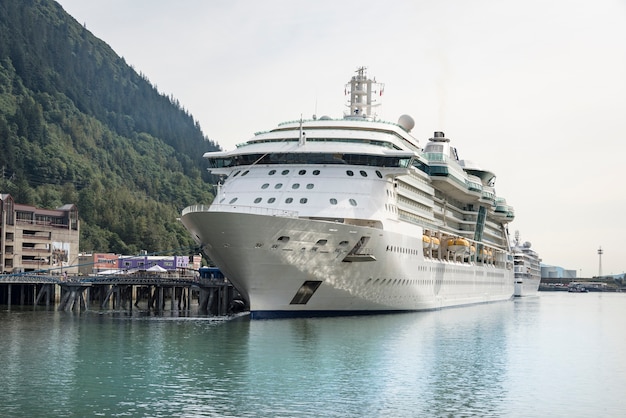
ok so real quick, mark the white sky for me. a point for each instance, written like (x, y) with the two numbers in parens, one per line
(533, 90)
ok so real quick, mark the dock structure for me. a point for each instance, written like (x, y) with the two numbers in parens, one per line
(142, 291)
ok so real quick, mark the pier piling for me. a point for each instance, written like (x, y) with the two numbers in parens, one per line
(214, 296)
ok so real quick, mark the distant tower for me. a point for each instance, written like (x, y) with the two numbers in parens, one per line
(600, 252)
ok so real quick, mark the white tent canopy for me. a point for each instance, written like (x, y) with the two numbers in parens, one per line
(157, 269)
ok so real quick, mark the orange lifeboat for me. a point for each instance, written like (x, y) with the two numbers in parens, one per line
(430, 242)
(486, 254)
(458, 245)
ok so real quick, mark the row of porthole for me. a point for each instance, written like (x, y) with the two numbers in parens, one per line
(301, 172)
(303, 200)
(289, 200)
(293, 186)
(428, 282)
(402, 250)
(350, 173)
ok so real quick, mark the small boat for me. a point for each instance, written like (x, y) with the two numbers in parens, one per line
(577, 288)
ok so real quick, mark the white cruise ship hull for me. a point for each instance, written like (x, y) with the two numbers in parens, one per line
(286, 266)
(526, 287)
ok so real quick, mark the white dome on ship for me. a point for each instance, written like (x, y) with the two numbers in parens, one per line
(406, 122)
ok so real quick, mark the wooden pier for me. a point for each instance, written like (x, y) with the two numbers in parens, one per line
(141, 291)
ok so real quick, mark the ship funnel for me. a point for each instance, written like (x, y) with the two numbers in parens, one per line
(439, 136)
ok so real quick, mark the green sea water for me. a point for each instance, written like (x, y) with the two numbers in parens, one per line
(558, 354)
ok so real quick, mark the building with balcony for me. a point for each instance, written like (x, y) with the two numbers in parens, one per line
(33, 239)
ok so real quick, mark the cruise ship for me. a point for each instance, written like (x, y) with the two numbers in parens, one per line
(527, 268)
(325, 217)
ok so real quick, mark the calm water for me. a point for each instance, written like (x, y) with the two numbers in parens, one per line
(558, 354)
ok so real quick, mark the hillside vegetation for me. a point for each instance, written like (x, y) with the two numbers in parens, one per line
(78, 125)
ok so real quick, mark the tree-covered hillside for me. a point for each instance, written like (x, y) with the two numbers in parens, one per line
(78, 125)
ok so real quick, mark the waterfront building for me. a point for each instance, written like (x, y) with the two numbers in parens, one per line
(144, 262)
(108, 263)
(33, 238)
(94, 263)
(556, 272)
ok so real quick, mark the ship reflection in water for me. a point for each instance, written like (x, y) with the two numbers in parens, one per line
(482, 360)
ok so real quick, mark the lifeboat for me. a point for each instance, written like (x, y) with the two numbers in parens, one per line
(470, 254)
(458, 245)
(430, 242)
(486, 254)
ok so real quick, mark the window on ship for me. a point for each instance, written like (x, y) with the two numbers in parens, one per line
(310, 158)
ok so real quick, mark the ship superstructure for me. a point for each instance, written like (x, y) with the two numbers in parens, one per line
(340, 216)
(527, 268)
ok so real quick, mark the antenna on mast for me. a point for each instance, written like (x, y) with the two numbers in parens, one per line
(600, 252)
(302, 139)
(361, 91)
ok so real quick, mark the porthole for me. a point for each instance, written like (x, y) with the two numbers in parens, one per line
(222, 200)
(295, 186)
(272, 172)
(343, 243)
(289, 200)
(302, 172)
(244, 173)
(316, 172)
(257, 200)
(271, 200)
(265, 186)
(304, 200)
(379, 174)
(235, 175)
(353, 202)
(350, 173)
(321, 242)
(309, 186)
(363, 173)
(333, 201)
(278, 185)
(284, 172)
(233, 200)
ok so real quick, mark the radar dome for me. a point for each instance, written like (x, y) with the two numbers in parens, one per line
(406, 122)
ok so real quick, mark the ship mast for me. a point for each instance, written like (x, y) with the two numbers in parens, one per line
(361, 91)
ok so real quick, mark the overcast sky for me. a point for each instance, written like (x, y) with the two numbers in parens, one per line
(533, 90)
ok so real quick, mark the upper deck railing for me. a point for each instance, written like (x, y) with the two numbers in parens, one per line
(255, 210)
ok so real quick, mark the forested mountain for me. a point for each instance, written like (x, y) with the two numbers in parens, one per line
(78, 125)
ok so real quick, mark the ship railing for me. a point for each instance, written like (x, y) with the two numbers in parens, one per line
(254, 210)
